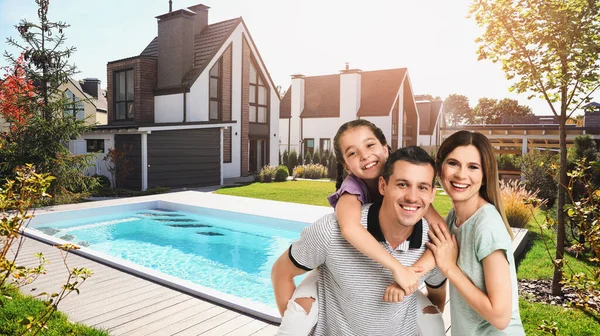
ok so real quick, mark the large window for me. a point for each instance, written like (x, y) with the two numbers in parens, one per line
(124, 95)
(214, 109)
(259, 109)
(95, 145)
(309, 146)
(75, 107)
(325, 145)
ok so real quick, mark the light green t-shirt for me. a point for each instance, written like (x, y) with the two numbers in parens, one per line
(479, 236)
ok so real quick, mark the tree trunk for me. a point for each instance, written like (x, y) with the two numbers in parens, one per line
(560, 229)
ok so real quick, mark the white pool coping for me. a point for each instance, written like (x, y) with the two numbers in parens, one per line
(179, 201)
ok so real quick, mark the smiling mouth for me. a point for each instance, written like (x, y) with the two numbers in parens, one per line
(459, 185)
(409, 208)
(370, 165)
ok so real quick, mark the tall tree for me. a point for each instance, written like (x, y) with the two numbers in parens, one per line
(16, 93)
(549, 49)
(456, 109)
(491, 111)
(42, 139)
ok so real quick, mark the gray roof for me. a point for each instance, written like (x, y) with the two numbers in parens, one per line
(206, 45)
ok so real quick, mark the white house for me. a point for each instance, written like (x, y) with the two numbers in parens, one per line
(196, 106)
(314, 107)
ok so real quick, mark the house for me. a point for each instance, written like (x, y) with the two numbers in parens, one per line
(314, 107)
(195, 106)
(430, 121)
(89, 101)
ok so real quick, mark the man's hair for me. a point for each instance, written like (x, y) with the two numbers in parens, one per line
(413, 154)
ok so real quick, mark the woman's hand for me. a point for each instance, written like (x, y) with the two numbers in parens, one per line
(444, 247)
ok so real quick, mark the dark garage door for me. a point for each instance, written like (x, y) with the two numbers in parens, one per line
(184, 158)
(132, 144)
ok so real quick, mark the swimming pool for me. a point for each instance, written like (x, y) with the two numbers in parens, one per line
(221, 255)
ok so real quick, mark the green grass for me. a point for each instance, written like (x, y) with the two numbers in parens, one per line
(537, 264)
(20, 306)
(306, 192)
(569, 321)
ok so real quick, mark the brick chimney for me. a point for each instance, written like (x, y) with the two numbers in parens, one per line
(201, 18)
(350, 84)
(91, 86)
(176, 32)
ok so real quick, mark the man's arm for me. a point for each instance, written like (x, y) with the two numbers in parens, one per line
(282, 276)
(437, 296)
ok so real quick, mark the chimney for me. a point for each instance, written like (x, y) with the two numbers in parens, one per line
(350, 90)
(91, 86)
(296, 108)
(175, 47)
(201, 18)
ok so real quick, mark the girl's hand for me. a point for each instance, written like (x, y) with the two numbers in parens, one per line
(407, 277)
(393, 293)
(444, 247)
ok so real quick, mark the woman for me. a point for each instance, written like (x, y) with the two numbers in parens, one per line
(474, 251)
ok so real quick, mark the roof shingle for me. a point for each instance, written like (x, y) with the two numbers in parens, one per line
(285, 107)
(321, 97)
(379, 90)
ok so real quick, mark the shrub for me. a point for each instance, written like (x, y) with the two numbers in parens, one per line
(307, 158)
(537, 174)
(517, 206)
(310, 171)
(267, 173)
(285, 158)
(281, 174)
(103, 180)
(508, 162)
(332, 166)
(292, 160)
(316, 158)
(324, 159)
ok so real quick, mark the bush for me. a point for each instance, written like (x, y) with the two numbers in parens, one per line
(292, 160)
(285, 158)
(508, 162)
(332, 167)
(537, 174)
(316, 158)
(517, 207)
(267, 174)
(281, 174)
(310, 171)
(324, 159)
(103, 180)
(307, 158)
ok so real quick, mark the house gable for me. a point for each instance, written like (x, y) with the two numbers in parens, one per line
(379, 90)
(285, 109)
(321, 97)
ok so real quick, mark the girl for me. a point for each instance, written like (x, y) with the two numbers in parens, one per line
(361, 150)
(483, 282)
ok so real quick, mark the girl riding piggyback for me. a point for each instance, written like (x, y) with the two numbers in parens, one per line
(361, 151)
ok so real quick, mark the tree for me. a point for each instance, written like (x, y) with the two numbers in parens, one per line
(16, 93)
(549, 49)
(456, 109)
(490, 111)
(44, 134)
(428, 97)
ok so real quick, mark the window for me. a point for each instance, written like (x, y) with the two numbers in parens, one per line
(124, 95)
(325, 145)
(214, 108)
(95, 146)
(259, 109)
(75, 107)
(309, 146)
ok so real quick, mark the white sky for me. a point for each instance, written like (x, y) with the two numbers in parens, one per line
(432, 38)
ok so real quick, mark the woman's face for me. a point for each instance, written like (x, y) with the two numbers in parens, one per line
(462, 173)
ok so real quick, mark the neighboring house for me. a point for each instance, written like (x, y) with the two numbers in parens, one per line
(89, 101)
(196, 106)
(430, 119)
(314, 107)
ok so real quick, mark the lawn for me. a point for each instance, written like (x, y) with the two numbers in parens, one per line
(19, 306)
(534, 265)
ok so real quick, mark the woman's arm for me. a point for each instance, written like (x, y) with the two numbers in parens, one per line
(496, 305)
(348, 213)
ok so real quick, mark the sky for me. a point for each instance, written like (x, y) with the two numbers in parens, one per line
(434, 39)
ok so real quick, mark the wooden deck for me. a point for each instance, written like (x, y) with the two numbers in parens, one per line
(124, 304)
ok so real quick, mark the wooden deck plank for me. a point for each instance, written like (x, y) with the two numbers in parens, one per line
(184, 320)
(233, 324)
(209, 324)
(199, 319)
(248, 329)
(269, 330)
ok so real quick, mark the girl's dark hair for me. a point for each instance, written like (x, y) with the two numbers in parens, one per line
(339, 156)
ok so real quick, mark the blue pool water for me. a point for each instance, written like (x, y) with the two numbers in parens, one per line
(229, 255)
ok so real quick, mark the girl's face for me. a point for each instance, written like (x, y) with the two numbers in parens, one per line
(364, 155)
(462, 173)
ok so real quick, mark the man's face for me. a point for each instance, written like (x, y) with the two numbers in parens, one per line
(408, 192)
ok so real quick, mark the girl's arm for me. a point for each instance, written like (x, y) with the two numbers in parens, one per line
(348, 213)
(427, 260)
(496, 305)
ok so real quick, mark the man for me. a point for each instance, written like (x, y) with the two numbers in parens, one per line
(351, 286)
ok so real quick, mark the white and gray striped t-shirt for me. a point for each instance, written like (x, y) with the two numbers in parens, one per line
(351, 286)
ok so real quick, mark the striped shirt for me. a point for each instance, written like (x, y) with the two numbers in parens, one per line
(351, 286)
